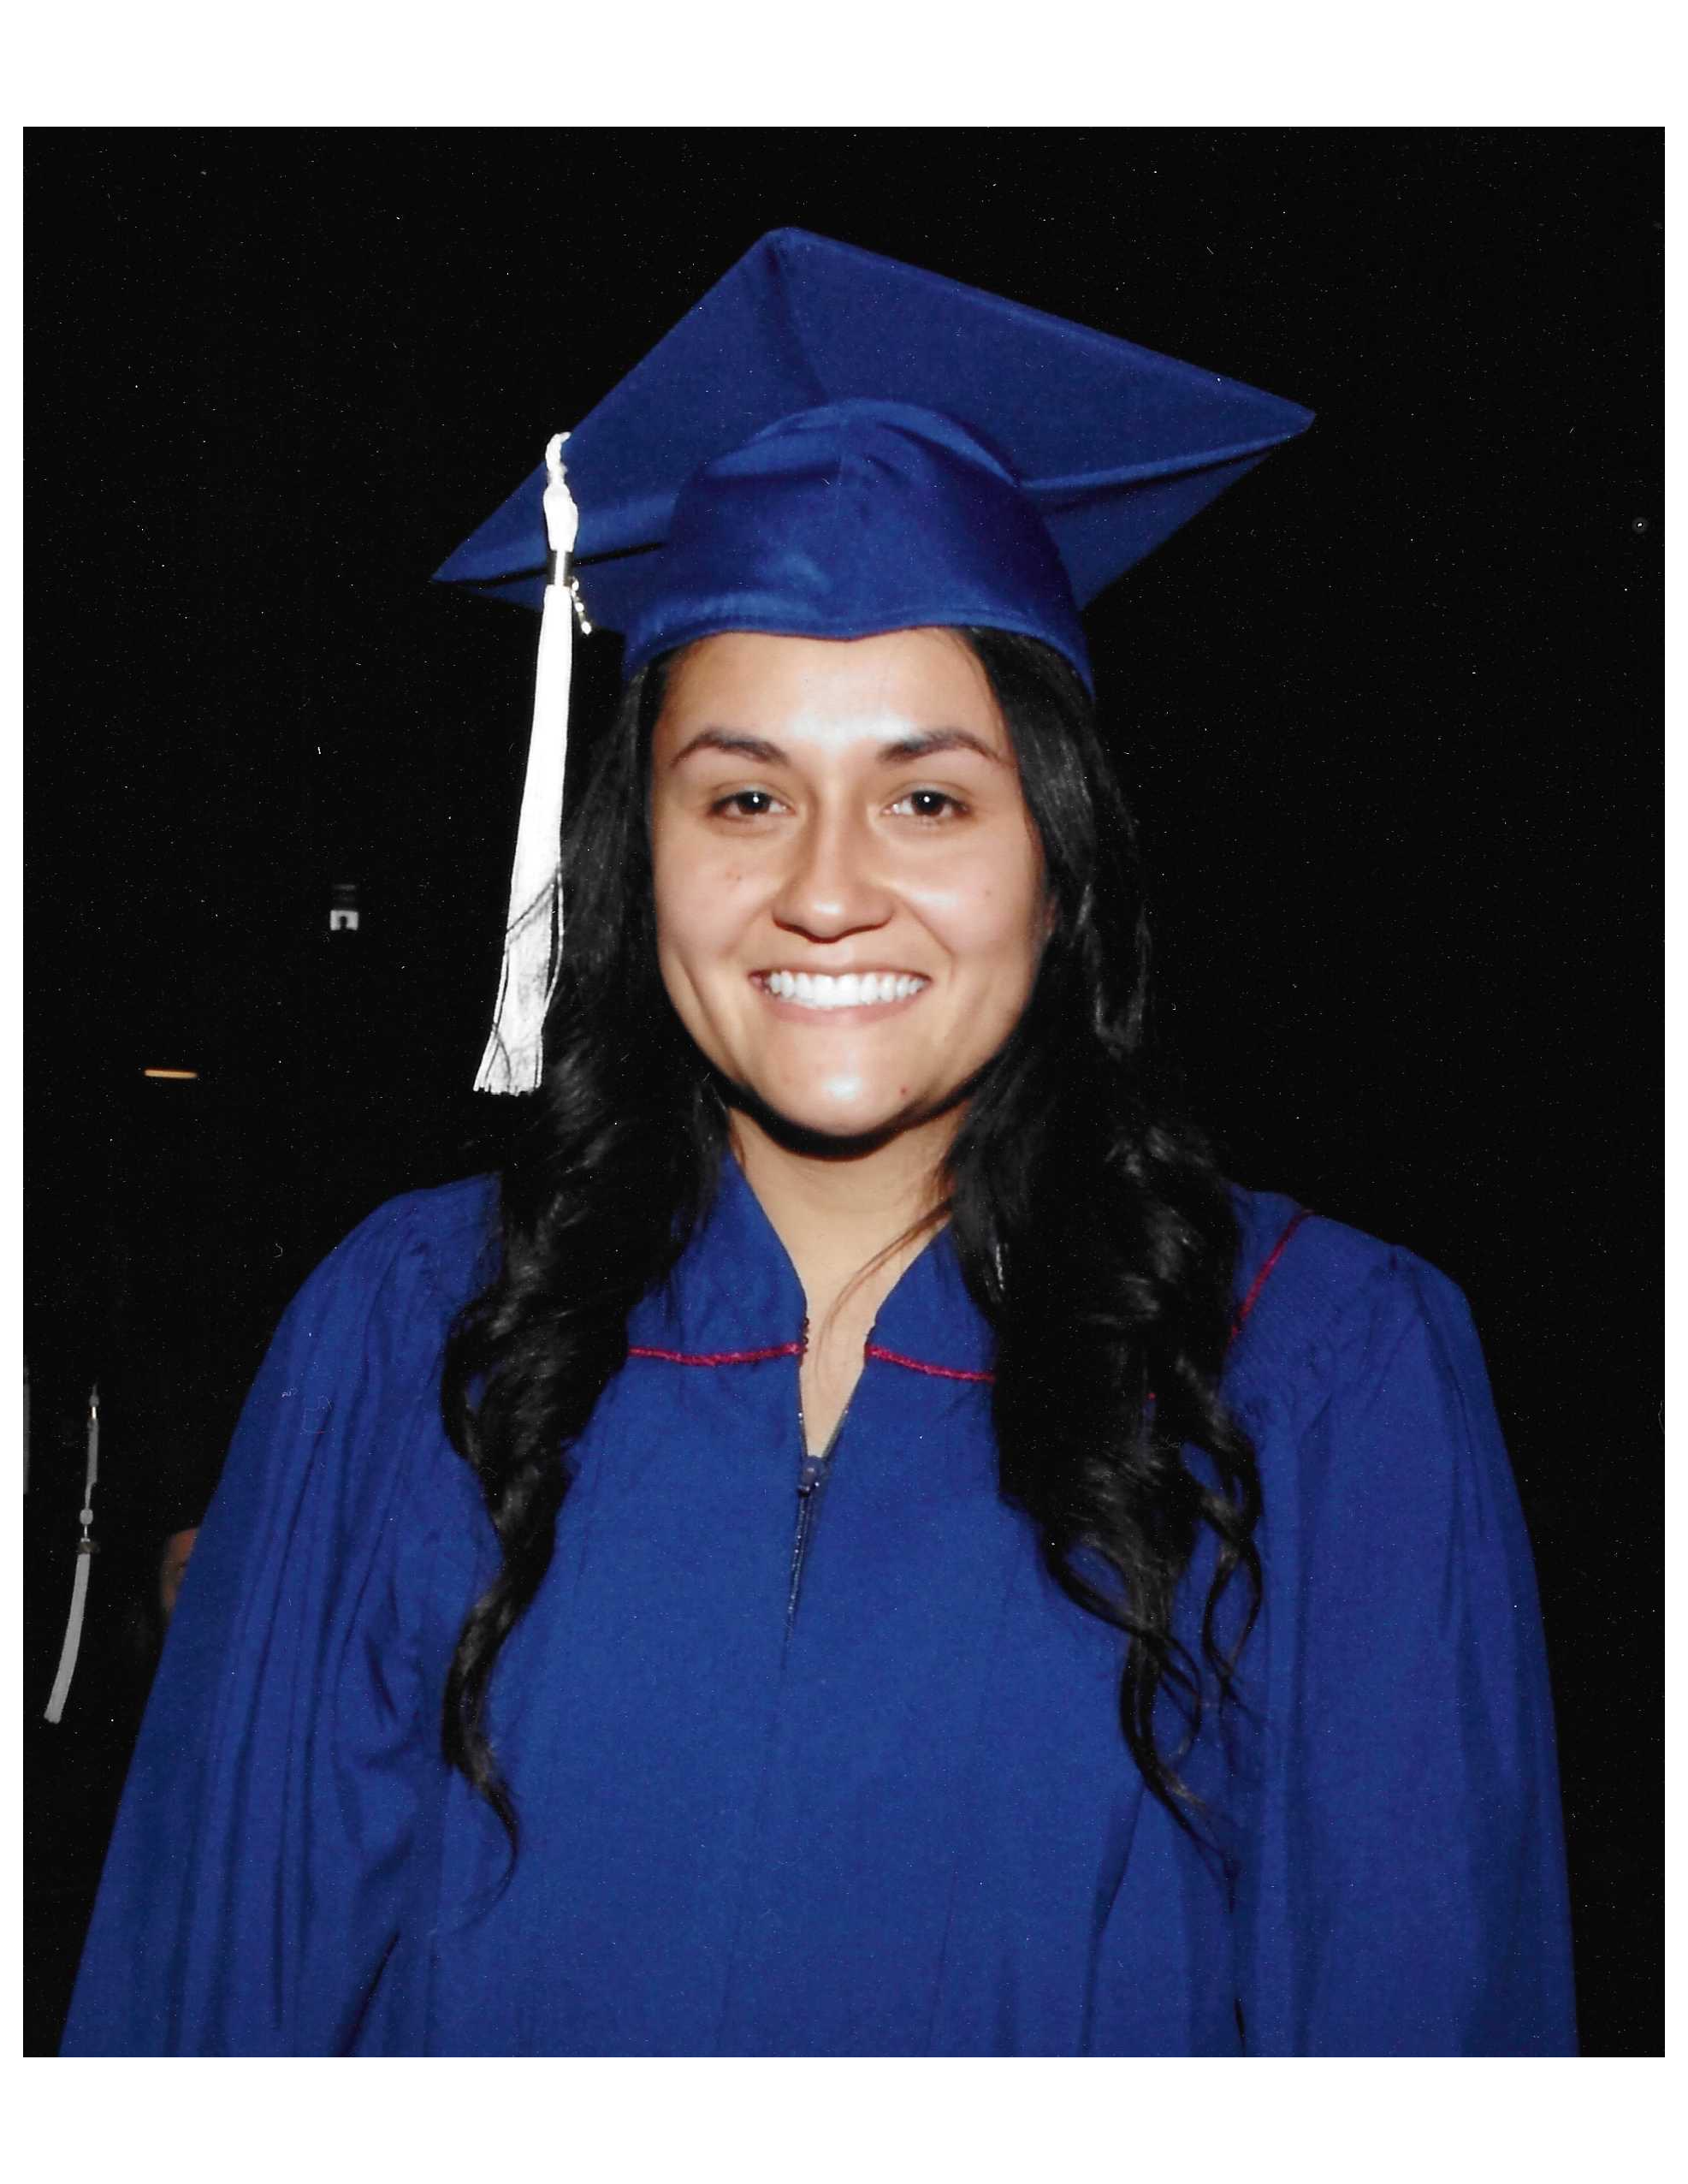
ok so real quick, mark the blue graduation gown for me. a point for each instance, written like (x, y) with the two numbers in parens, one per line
(897, 1819)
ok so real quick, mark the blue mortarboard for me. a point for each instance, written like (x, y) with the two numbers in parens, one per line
(831, 444)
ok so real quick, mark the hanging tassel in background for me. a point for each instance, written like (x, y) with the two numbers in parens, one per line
(85, 1554)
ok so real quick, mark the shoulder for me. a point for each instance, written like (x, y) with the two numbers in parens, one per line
(1361, 1381)
(428, 1250)
(1324, 1310)
(374, 1314)
(341, 1457)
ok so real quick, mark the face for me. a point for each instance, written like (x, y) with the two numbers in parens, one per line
(849, 897)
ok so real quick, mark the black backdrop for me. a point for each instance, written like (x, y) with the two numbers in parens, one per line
(1390, 715)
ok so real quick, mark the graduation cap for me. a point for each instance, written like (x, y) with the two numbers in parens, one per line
(831, 444)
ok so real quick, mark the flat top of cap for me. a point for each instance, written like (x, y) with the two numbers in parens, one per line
(1116, 445)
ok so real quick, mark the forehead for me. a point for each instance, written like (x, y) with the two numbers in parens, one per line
(822, 691)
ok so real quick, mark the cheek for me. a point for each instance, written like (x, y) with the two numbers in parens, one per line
(994, 916)
(702, 918)
(691, 891)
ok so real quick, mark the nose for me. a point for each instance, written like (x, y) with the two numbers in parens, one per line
(831, 888)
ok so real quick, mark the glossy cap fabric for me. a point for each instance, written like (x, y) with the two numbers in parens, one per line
(831, 444)
(847, 520)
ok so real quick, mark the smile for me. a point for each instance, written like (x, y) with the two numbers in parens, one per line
(852, 990)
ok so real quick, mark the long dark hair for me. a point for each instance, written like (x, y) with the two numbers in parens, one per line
(1094, 1232)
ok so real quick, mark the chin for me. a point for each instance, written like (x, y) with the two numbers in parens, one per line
(824, 1131)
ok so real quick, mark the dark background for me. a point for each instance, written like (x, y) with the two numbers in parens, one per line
(1390, 715)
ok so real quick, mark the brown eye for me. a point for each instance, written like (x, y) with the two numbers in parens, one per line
(745, 803)
(929, 804)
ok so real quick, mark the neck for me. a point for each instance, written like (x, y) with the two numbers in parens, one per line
(837, 1216)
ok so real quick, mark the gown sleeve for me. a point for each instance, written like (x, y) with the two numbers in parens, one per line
(1404, 1892)
(254, 1881)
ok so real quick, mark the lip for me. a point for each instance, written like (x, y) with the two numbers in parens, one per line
(860, 1012)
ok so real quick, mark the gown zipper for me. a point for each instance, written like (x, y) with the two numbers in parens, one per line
(811, 1478)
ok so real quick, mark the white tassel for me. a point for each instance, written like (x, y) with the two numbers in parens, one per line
(514, 1059)
(79, 1589)
(73, 1635)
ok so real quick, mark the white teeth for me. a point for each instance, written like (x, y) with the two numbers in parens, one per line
(817, 990)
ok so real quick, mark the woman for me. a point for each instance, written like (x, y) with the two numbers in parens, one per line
(910, 1562)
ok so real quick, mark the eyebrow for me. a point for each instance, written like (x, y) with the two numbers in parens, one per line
(763, 753)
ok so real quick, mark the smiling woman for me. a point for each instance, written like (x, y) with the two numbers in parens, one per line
(861, 1542)
(849, 932)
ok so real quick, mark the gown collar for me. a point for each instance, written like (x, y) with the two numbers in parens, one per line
(734, 1297)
